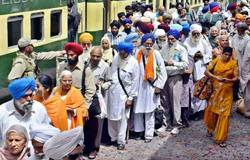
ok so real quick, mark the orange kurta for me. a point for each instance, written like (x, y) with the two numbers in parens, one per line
(219, 107)
(56, 111)
(74, 100)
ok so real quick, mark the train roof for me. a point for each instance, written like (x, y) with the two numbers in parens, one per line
(15, 6)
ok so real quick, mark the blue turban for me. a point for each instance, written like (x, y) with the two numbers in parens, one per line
(125, 46)
(185, 27)
(17, 88)
(176, 26)
(205, 9)
(147, 36)
(132, 37)
(126, 20)
(174, 33)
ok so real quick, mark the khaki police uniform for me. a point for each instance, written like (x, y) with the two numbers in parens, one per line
(24, 66)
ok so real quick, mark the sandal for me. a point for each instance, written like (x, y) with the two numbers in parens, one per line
(222, 145)
(209, 134)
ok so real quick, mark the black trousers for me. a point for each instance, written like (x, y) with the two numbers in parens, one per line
(90, 133)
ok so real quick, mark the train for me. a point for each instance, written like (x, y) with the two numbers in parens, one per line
(45, 21)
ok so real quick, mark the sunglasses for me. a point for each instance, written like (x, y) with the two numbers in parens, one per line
(196, 33)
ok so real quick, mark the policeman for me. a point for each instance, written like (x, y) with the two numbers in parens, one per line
(25, 64)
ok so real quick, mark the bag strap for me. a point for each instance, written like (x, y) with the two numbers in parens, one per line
(113, 52)
(83, 90)
(144, 64)
(120, 81)
(212, 70)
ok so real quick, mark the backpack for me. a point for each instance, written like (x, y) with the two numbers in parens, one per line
(159, 117)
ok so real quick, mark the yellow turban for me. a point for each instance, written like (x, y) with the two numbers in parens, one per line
(239, 16)
(86, 37)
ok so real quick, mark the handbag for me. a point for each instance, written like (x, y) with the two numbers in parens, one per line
(203, 88)
(94, 108)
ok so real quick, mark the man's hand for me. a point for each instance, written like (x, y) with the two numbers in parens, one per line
(128, 103)
(169, 63)
(157, 90)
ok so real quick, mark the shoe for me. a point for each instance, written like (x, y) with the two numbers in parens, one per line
(147, 140)
(222, 145)
(121, 147)
(139, 136)
(208, 134)
(169, 128)
(175, 131)
(92, 155)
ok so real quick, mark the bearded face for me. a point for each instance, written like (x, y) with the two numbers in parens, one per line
(195, 37)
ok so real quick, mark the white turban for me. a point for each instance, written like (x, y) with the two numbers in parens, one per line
(150, 15)
(159, 32)
(64, 143)
(42, 132)
(145, 19)
(195, 27)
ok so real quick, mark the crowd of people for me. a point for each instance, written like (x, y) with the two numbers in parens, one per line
(147, 64)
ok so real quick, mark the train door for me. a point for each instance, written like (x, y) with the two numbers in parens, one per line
(106, 14)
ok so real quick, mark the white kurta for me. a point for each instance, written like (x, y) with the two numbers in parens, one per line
(116, 96)
(199, 67)
(9, 116)
(206, 51)
(147, 101)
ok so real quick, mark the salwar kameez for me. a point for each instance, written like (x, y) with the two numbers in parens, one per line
(218, 111)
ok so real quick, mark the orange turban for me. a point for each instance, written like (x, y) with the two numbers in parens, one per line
(86, 37)
(239, 16)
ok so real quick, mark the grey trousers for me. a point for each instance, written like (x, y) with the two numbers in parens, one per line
(171, 99)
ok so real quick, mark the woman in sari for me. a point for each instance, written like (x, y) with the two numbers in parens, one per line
(16, 144)
(218, 111)
(73, 100)
(54, 105)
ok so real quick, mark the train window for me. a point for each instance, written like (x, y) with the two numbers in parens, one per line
(14, 30)
(55, 23)
(37, 26)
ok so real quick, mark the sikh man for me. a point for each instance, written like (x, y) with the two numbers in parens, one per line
(25, 63)
(73, 51)
(22, 109)
(161, 38)
(86, 40)
(115, 37)
(152, 77)
(175, 57)
(39, 135)
(202, 55)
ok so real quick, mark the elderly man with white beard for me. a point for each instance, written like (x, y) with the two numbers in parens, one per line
(160, 36)
(22, 109)
(202, 55)
(175, 57)
(152, 77)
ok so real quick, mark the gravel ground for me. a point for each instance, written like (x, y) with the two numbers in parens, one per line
(191, 143)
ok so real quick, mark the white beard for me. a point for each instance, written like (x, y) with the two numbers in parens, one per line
(195, 40)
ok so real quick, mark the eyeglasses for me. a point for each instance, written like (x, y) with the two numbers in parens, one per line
(86, 44)
(195, 33)
(28, 95)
